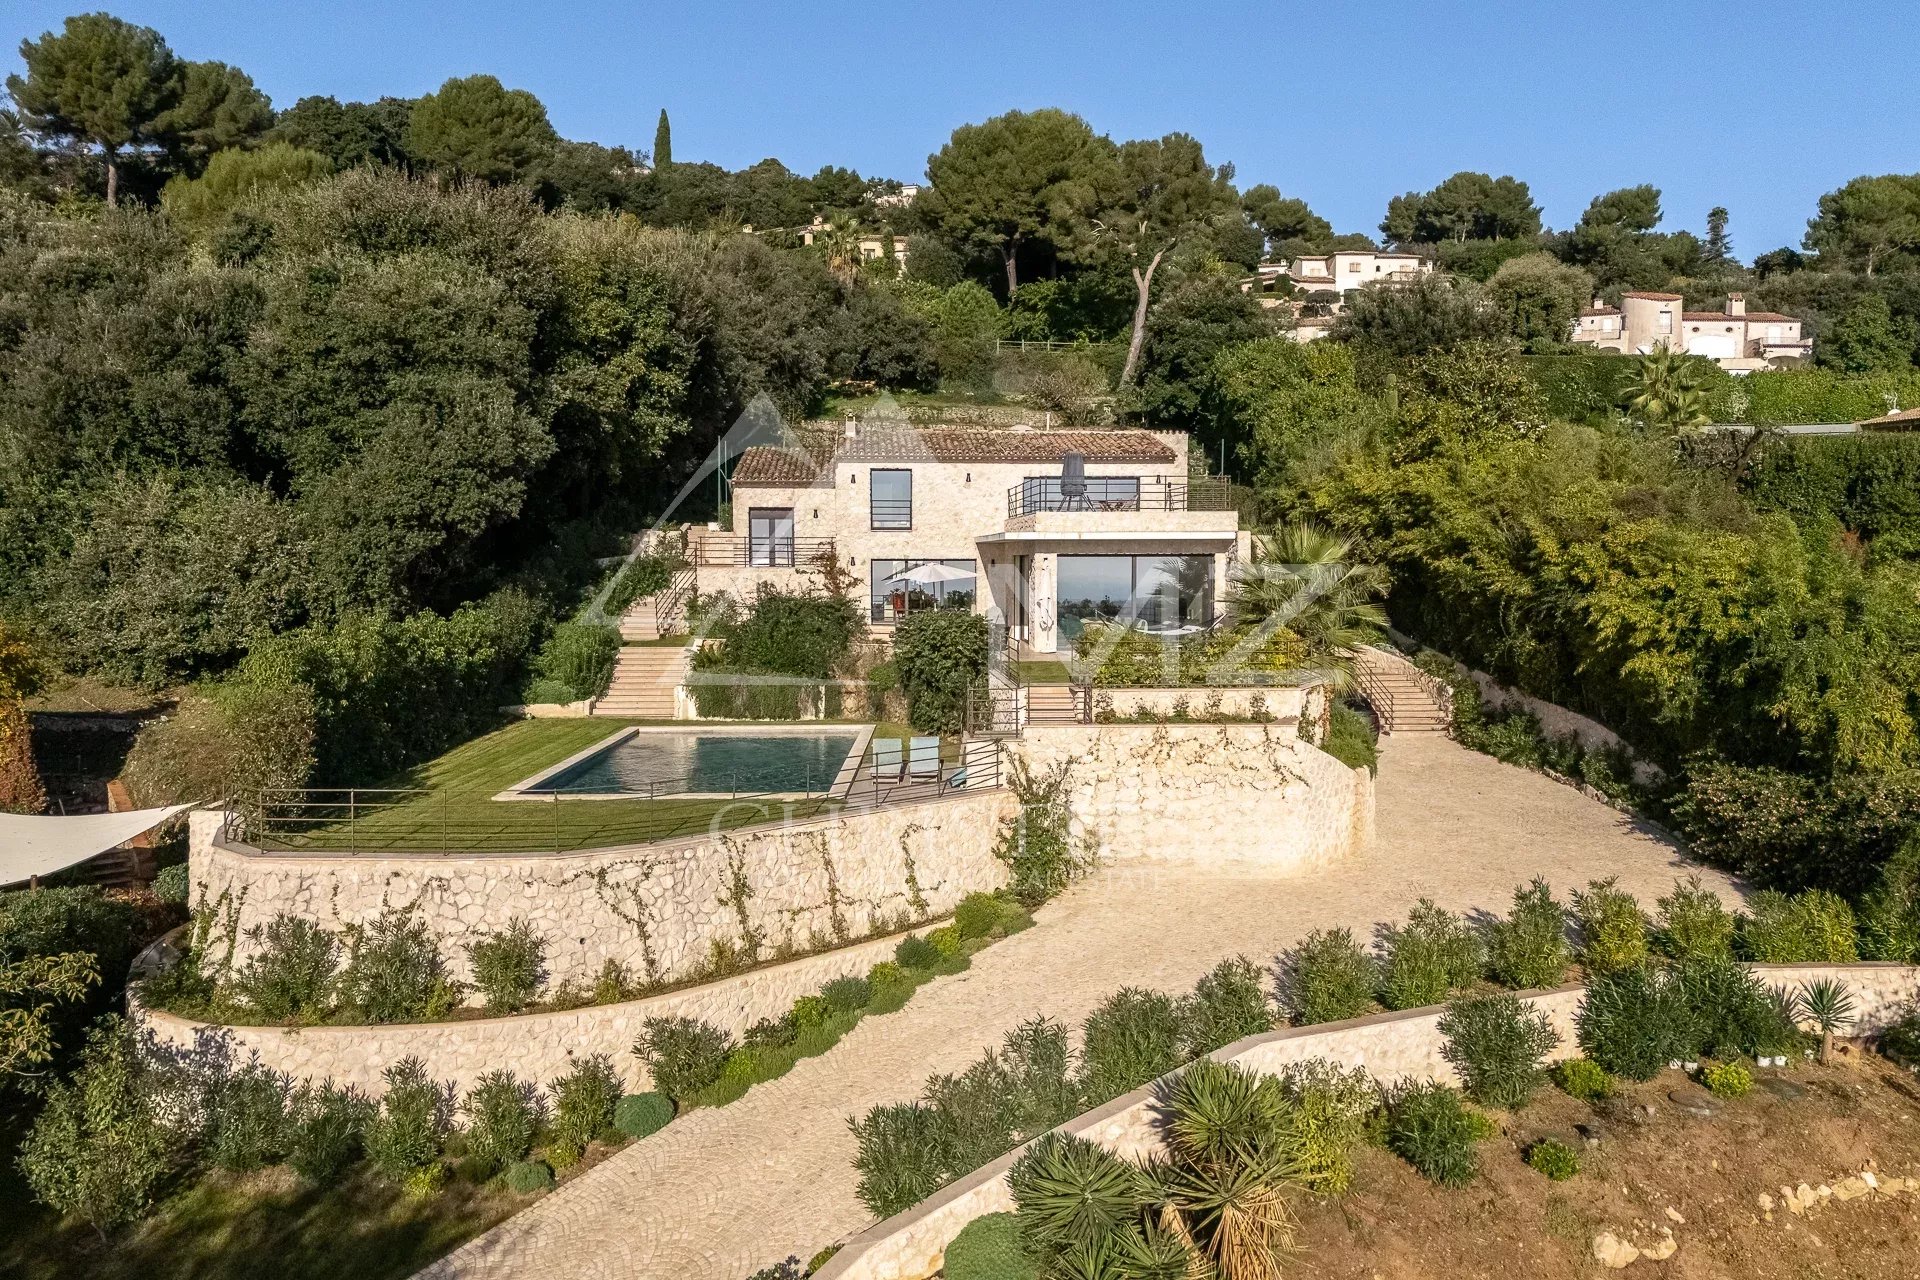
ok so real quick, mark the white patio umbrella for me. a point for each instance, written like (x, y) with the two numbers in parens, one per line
(930, 573)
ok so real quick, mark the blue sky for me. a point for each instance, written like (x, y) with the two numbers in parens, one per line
(1759, 106)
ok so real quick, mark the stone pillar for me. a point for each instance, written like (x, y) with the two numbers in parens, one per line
(1043, 603)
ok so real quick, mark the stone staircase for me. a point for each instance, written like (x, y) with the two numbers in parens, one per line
(1404, 698)
(644, 679)
(660, 614)
(1056, 704)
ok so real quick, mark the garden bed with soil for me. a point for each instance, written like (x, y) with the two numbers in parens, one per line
(1712, 1183)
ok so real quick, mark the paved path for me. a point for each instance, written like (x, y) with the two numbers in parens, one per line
(725, 1191)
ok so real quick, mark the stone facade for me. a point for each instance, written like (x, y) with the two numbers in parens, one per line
(1285, 704)
(1207, 793)
(534, 1046)
(1391, 1046)
(658, 909)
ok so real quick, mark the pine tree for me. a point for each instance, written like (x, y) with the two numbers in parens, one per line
(662, 143)
(1719, 247)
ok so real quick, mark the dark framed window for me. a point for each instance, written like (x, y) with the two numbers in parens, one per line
(769, 536)
(1164, 595)
(894, 597)
(890, 498)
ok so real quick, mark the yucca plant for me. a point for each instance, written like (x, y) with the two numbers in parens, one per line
(1828, 1005)
(1073, 1195)
(1233, 1153)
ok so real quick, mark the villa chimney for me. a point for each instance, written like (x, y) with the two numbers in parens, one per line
(853, 425)
(1736, 304)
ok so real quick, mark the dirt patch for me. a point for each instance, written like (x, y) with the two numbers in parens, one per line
(1652, 1174)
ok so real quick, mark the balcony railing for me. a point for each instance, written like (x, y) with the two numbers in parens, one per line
(802, 553)
(892, 513)
(1119, 493)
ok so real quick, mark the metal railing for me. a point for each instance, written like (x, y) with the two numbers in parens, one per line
(891, 513)
(670, 606)
(1119, 493)
(775, 553)
(350, 822)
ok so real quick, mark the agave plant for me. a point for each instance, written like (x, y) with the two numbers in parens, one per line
(1074, 1196)
(1828, 1005)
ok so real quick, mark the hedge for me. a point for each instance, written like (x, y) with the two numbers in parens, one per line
(1783, 396)
(1869, 482)
(1591, 388)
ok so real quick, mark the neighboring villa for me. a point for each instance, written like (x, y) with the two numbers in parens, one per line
(1345, 271)
(1740, 340)
(1062, 526)
(873, 244)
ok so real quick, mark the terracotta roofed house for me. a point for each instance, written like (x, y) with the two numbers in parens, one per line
(1045, 529)
(1739, 340)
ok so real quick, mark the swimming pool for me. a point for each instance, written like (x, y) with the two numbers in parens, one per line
(691, 762)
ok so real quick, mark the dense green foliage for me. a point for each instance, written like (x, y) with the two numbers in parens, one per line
(1869, 483)
(1430, 1128)
(940, 655)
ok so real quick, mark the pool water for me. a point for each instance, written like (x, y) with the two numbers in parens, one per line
(676, 763)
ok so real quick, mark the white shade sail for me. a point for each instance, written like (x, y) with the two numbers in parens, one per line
(38, 845)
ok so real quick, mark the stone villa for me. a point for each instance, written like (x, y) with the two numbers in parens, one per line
(1740, 340)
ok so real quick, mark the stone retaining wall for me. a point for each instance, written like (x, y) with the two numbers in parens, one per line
(534, 1046)
(1207, 793)
(1391, 1046)
(658, 909)
(1283, 703)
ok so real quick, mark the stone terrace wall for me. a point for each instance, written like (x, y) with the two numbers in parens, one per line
(1284, 703)
(657, 909)
(1208, 793)
(912, 1245)
(534, 1046)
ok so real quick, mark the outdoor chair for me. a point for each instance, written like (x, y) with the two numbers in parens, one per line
(924, 762)
(883, 759)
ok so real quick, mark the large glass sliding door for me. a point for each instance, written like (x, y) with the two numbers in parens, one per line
(1168, 594)
(770, 536)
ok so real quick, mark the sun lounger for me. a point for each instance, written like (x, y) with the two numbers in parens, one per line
(883, 758)
(924, 761)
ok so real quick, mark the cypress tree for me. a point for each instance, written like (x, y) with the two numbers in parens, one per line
(662, 142)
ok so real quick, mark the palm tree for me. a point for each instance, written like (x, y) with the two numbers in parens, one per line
(839, 240)
(1304, 581)
(1668, 393)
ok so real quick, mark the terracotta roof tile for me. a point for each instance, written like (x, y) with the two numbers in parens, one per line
(1599, 311)
(1652, 297)
(1904, 418)
(768, 465)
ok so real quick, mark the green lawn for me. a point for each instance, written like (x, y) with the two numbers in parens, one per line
(456, 811)
(1037, 671)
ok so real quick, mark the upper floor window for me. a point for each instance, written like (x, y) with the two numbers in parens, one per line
(891, 498)
(1666, 322)
(1353, 266)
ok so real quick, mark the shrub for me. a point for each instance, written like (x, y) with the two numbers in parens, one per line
(1350, 739)
(805, 635)
(887, 973)
(291, 977)
(1330, 1110)
(1633, 1022)
(1327, 978)
(844, 995)
(1890, 911)
(947, 942)
(508, 966)
(639, 1114)
(583, 1104)
(1583, 1079)
(247, 1119)
(1037, 844)
(639, 578)
(1498, 1045)
(63, 920)
(1133, 1037)
(684, 1054)
(325, 1129)
(425, 1182)
(503, 1114)
(1432, 955)
(1727, 1079)
(1613, 933)
(977, 915)
(613, 984)
(988, 1248)
(578, 657)
(1732, 1011)
(940, 655)
(1430, 1128)
(898, 1156)
(529, 1177)
(394, 972)
(1529, 948)
(1815, 927)
(98, 1151)
(788, 1268)
(1227, 1003)
(1694, 925)
(171, 885)
(1036, 1068)
(1900, 1039)
(410, 1128)
(1555, 1159)
(915, 952)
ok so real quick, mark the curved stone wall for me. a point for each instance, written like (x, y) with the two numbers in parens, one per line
(1391, 1046)
(658, 909)
(534, 1046)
